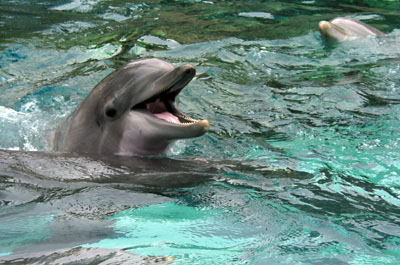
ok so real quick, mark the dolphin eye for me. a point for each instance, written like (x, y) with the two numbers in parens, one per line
(111, 112)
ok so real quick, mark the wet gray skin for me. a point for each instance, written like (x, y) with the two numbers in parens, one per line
(343, 28)
(131, 112)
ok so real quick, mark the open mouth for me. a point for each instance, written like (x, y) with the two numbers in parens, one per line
(162, 105)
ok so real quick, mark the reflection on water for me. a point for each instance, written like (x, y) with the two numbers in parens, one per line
(301, 163)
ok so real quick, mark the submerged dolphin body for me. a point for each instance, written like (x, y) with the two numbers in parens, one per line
(344, 28)
(131, 111)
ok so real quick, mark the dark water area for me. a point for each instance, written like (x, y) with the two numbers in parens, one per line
(301, 163)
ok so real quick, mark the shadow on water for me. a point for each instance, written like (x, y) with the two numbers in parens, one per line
(82, 255)
(57, 201)
(52, 201)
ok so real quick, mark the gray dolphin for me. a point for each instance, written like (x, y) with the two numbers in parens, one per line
(344, 28)
(131, 111)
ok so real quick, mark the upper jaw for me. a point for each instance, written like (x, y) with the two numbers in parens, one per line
(160, 101)
(172, 82)
(169, 84)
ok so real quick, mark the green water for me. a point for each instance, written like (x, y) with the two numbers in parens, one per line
(315, 129)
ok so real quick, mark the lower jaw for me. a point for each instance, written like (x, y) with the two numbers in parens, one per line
(167, 116)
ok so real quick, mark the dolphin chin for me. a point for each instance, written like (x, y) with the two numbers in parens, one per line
(343, 28)
(132, 112)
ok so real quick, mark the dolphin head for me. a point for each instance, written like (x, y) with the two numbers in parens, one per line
(332, 33)
(133, 111)
(344, 28)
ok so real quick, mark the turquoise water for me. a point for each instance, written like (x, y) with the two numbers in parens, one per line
(305, 136)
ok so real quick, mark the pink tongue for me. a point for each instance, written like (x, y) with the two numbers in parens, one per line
(167, 116)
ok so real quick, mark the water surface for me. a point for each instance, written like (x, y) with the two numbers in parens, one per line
(301, 163)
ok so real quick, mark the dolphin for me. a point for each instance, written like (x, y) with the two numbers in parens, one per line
(344, 28)
(131, 112)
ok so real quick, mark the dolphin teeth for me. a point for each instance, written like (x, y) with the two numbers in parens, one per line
(191, 120)
(182, 124)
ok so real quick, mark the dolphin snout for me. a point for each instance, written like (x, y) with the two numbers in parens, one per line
(323, 26)
(187, 70)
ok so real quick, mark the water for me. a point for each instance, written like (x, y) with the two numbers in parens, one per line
(301, 163)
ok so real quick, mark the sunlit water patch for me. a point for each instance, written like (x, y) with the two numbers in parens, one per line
(186, 233)
(17, 232)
